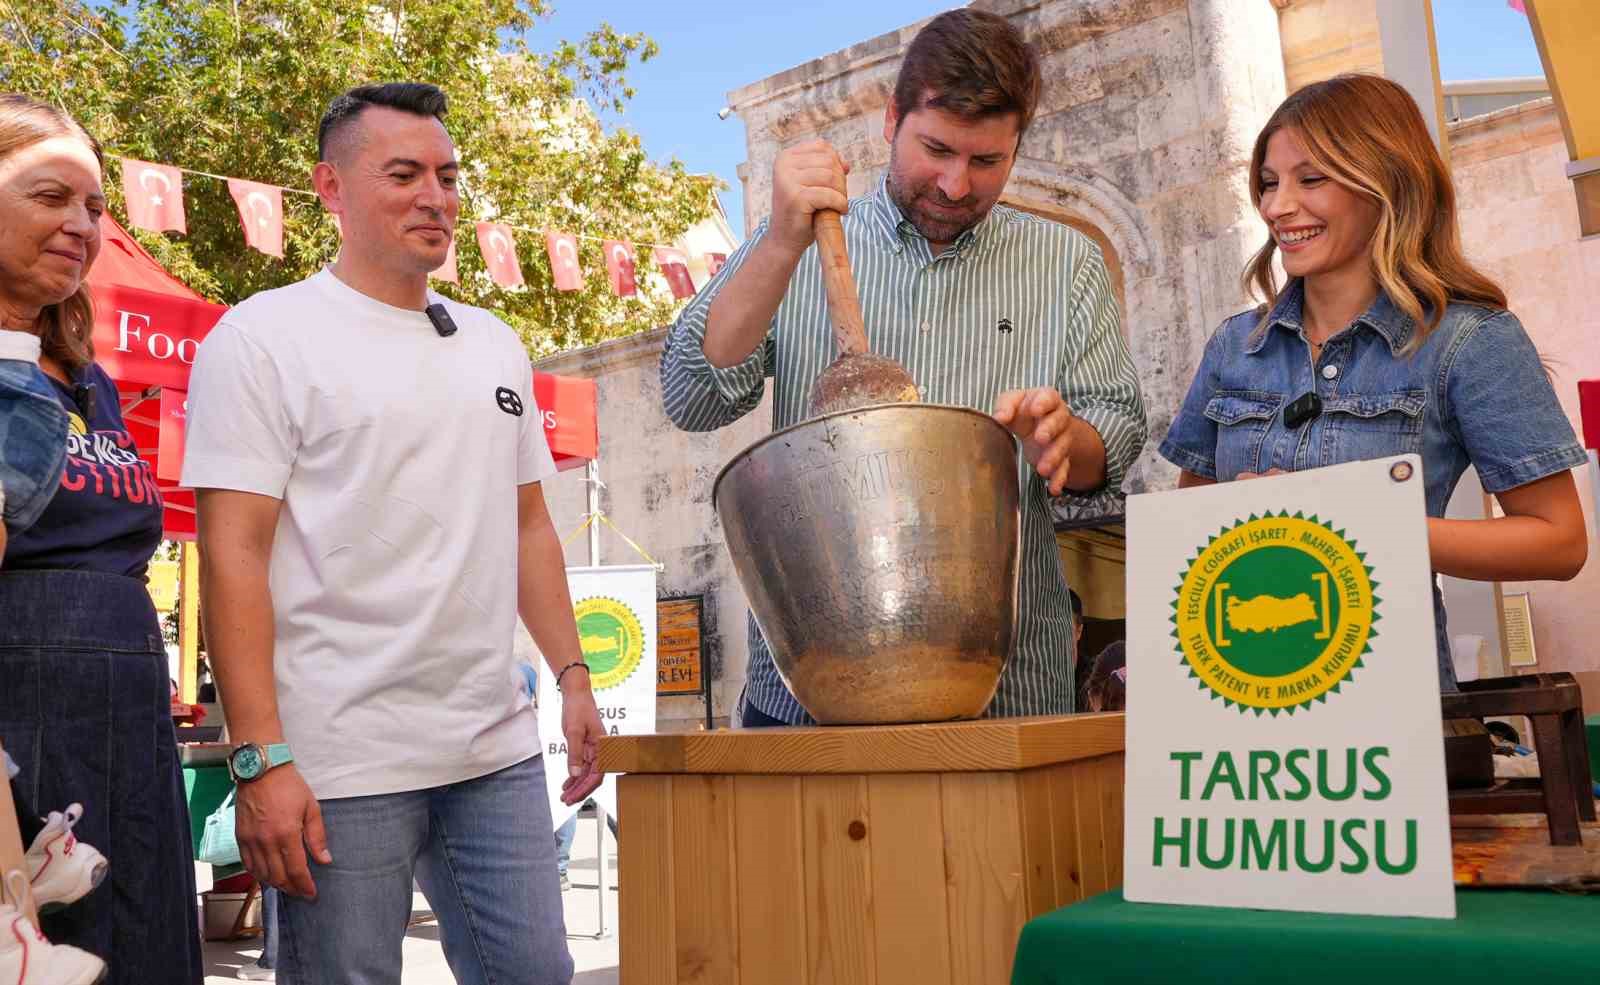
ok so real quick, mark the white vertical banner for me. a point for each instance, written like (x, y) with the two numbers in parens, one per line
(1284, 740)
(615, 609)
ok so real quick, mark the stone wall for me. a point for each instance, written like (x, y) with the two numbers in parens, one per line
(1324, 38)
(1142, 137)
(658, 491)
(1519, 220)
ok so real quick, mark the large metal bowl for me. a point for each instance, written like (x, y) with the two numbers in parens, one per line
(879, 550)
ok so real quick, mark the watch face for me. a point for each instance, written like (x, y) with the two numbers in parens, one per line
(247, 764)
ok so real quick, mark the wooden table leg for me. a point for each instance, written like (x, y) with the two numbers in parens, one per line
(1561, 806)
(1578, 761)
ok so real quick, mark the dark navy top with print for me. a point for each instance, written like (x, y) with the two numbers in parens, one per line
(1472, 393)
(106, 517)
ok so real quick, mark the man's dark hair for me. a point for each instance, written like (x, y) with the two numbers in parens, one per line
(971, 63)
(417, 98)
(1077, 604)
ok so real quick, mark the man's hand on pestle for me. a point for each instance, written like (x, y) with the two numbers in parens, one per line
(1055, 442)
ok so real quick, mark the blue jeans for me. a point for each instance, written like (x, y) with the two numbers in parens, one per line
(493, 889)
(269, 928)
(33, 443)
(85, 710)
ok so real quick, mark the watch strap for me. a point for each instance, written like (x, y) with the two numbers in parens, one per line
(277, 754)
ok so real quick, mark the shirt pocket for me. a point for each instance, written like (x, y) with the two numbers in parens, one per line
(1366, 426)
(1243, 418)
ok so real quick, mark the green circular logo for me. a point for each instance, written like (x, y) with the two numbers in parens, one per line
(1275, 612)
(611, 639)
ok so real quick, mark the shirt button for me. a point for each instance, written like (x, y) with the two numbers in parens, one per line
(927, 327)
(1330, 371)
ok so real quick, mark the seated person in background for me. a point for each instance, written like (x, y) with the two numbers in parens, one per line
(1106, 688)
(1408, 347)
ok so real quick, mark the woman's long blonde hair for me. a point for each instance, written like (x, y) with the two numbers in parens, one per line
(1366, 133)
(66, 329)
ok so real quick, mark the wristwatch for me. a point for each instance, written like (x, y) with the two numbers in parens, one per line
(249, 761)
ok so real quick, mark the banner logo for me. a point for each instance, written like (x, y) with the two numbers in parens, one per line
(611, 639)
(1274, 613)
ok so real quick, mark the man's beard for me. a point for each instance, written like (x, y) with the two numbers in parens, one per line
(936, 227)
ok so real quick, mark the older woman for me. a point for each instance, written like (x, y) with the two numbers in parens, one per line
(1407, 346)
(84, 706)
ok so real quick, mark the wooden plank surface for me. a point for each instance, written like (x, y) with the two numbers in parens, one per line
(1112, 784)
(989, 744)
(986, 891)
(646, 909)
(1091, 828)
(705, 895)
(1064, 833)
(1038, 846)
(906, 839)
(770, 865)
(839, 947)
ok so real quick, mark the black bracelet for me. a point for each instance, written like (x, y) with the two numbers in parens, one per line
(575, 663)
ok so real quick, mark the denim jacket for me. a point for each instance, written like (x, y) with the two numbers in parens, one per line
(1474, 393)
(33, 433)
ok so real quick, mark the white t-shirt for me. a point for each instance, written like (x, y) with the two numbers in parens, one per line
(397, 454)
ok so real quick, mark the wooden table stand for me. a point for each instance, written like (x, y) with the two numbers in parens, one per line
(893, 854)
(1562, 792)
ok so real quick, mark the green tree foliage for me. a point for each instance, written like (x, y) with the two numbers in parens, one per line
(236, 89)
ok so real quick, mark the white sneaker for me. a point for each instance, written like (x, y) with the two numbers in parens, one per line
(61, 868)
(253, 972)
(27, 958)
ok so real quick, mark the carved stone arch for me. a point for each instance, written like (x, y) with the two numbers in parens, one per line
(1090, 203)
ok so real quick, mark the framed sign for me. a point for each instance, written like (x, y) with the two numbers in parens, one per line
(680, 661)
(1283, 696)
(678, 645)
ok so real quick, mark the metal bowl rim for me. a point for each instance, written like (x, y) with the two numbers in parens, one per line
(750, 449)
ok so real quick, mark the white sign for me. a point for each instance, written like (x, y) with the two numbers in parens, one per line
(1284, 741)
(615, 608)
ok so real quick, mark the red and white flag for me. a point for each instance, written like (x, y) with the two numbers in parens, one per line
(155, 196)
(1518, 6)
(261, 214)
(619, 268)
(500, 253)
(563, 250)
(715, 262)
(447, 271)
(675, 266)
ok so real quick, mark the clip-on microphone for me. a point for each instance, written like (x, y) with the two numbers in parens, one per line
(441, 320)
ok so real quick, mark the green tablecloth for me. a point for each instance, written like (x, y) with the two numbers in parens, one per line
(205, 787)
(1497, 937)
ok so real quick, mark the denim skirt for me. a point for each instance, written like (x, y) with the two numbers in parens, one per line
(85, 711)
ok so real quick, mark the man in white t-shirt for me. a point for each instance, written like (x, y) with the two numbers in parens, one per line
(368, 458)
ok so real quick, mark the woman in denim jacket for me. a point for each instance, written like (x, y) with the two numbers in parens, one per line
(84, 702)
(1408, 347)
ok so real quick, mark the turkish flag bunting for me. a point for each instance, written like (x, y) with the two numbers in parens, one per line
(261, 212)
(447, 270)
(563, 250)
(500, 253)
(155, 196)
(675, 266)
(715, 262)
(619, 267)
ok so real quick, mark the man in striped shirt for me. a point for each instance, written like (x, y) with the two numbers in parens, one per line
(986, 306)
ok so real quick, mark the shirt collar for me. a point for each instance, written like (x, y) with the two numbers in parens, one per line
(898, 230)
(1392, 324)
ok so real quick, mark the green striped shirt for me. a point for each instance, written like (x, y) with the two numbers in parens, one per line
(1016, 302)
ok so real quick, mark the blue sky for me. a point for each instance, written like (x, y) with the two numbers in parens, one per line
(708, 49)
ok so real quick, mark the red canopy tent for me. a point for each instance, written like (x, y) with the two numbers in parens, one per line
(148, 327)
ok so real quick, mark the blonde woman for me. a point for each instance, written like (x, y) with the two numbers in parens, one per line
(1407, 346)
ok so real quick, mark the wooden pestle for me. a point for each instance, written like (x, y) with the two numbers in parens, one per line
(857, 378)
